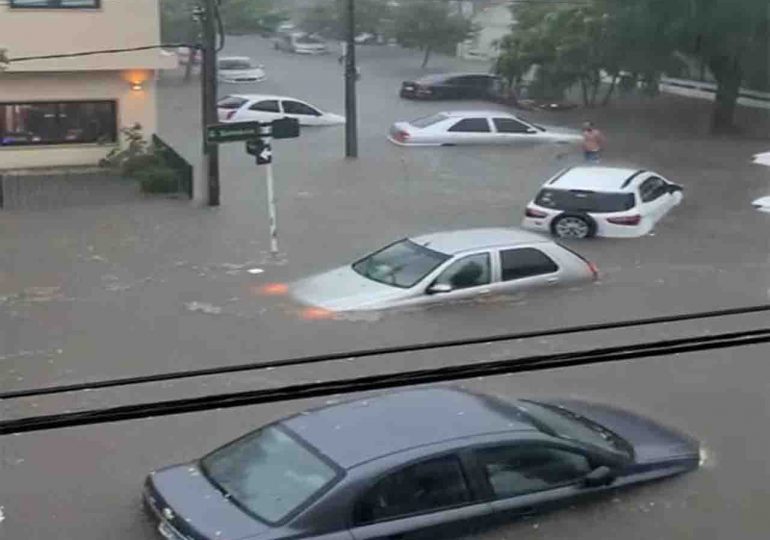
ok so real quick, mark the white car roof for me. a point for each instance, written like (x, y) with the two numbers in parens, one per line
(617, 179)
(245, 58)
(478, 113)
(451, 242)
(259, 97)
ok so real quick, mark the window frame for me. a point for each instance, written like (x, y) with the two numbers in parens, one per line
(501, 251)
(663, 184)
(451, 129)
(318, 113)
(489, 492)
(114, 138)
(52, 4)
(277, 105)
(454, 260)
(465, 468)
(529, 130)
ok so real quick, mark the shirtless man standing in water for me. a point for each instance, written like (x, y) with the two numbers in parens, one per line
(593, 142)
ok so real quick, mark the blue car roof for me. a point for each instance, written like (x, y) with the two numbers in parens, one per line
(357, 431)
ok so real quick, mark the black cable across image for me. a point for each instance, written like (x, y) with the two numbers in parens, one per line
(387, 381)
(365, 353)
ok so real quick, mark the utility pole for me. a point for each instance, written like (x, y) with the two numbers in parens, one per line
(351, 75)
(209, 99)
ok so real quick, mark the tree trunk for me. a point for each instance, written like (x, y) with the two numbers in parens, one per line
(610, 90)
(426, 57)
(596, 82)
(584, 89)
(729, 77)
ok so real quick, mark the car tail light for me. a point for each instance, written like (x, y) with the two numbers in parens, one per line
(532, 213)
(625, 220)
(230, 114)
(401, 136)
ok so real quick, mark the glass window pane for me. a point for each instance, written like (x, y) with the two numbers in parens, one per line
(295, 107)
(509, 125)
(268, 472)
(585, 201)
(526, 262)
(471, 125)
(266, 106)
(472, 271)
(428, 486)
(57, 123)
(517, 470)
(402, 264)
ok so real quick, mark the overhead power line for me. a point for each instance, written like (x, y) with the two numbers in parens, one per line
(101, 51)
(381, 351)
(381, 382)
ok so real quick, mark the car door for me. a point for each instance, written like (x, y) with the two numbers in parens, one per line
(524, 268)
(524, 478)
(511, 131)
(263, 110)
(304, 113)
(471, 130)
(464, 278)
(424, 501)
(655, 199)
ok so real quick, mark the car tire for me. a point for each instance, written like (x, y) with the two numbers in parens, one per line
(573, 226)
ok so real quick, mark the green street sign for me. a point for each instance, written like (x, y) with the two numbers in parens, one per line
(242, 131)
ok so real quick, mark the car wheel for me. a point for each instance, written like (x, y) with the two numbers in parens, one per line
(573, 226)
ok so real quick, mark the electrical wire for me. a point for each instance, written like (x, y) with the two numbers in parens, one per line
(388, 381)
(364, 353)
(102, 51)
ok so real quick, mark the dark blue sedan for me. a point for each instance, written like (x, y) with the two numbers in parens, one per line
(427, 463)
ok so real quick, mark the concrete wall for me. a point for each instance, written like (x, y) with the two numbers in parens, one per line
(133, 106)
(116, 24)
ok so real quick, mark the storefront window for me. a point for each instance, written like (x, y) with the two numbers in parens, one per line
(57, 123)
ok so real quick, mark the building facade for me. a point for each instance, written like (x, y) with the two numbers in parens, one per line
(69, 111)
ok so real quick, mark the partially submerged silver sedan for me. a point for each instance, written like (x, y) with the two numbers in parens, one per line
(446, 267)
(476, 127)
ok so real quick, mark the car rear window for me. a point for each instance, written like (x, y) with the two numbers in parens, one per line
(585, 201)
(230, 102)
(268, 473)
(234, 64)
(426, 121)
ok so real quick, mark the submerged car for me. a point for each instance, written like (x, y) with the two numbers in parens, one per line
(453, 128)
(446, 267)
(239, 69)
(615, 202)
(454, 86)
(300, 43)
(437, 461)
(266, 108)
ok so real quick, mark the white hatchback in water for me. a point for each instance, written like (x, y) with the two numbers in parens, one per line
(476, 127)
(239, 69)
(264, 108)
(446, 267)
(601, 201)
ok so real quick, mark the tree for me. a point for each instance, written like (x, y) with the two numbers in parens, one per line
(430, 25)
(250, 16)
(177, 25)
(731, 38)
(328, 18)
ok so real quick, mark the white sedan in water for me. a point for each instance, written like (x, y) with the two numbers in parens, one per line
(476, 127)
(264, 108)
(239, 69)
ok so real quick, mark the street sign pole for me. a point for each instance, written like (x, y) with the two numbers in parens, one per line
(265, 136)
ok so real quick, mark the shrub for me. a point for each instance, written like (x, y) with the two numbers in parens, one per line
(158, 179)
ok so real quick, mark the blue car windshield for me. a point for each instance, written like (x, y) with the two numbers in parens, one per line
(402, 264)
(567, 425)
(268, 473)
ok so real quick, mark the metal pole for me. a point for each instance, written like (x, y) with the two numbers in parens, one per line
(265, 132)
(351, 122)
(209, 98)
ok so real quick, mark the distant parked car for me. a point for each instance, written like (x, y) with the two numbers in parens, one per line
(427, 463)
(445, 267)
(476, 127)
(601, 201)
(367, 38)
(239, 69)
(454, 86)
(300, 43)
(265, 108)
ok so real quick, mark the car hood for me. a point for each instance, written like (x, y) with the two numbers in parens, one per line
(652, 441)
(342, 289)
(197, 509)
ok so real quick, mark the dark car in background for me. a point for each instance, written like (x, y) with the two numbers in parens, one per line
(454, 86)
(436, 461)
